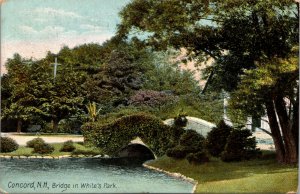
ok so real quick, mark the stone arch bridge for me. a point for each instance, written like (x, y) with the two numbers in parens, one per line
(137, 148)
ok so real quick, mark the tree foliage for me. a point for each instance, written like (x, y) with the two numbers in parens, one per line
(238, 35)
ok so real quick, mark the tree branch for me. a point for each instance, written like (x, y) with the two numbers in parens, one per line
(264, 130)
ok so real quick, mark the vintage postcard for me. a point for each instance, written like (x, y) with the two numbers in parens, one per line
(149, 96)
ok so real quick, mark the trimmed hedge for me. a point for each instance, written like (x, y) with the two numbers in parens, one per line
(36, 141)
(44, 148)
(8, 145)
(68, 146)
(112, 137)
(40, 146)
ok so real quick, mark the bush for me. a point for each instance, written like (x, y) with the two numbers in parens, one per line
(240, 146)
(36, 141)
(8, 145)
(177, 152)
(150, 98)
(192, 140)
(217, 138)
(68, 146)
(189, 142)
(180, 120)
(197, 158)
(44, 148)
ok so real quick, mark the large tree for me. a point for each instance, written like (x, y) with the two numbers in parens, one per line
(238, 35)
(19, 101)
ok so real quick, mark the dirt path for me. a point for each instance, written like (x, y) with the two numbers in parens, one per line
(22, 139)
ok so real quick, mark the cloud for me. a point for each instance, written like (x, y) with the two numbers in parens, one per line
(91, 28)
(45, 33)
(27, 29)
(56, 12)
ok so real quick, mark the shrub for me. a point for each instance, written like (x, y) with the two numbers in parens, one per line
(150, 98)
(240, 146)
(180, 120)
(177, 152)
(8, 144)
(44, 148)
(197, 158)
(68, 146)
(192, 140)
(36, 141)
(189, 142)
(217, 138)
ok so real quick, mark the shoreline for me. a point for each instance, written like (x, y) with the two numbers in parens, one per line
(175, 175)
(51, 157)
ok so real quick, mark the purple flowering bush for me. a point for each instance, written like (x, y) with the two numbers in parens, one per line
(150, 98)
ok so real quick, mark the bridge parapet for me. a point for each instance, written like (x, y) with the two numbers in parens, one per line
(199, 125)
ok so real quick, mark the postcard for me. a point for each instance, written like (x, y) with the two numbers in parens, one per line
(149, 96)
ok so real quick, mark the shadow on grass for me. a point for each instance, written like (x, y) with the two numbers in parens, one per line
(216, 170)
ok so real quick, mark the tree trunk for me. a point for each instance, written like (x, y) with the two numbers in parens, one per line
(295, 126)
(55, 125)
(286, 128)
(279, 147)
(19, 126)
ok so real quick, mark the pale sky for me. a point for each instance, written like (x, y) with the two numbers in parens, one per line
(33, 27)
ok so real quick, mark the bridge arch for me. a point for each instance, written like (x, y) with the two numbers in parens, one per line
(136, 150)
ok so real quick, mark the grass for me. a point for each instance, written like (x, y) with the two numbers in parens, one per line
(259, 176)
(80, 149)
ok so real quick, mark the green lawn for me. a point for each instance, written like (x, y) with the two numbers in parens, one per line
(261, 175)
(80, 149)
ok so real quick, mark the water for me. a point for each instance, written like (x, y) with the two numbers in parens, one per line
(85, 175)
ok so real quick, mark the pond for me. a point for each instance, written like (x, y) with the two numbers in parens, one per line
(85, 175)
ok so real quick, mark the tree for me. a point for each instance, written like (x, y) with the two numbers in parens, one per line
(236, 34)
(19, 101)
(272, 88)
(65, 93)
(118, 77)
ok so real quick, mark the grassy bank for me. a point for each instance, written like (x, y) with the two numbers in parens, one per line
(261, 175)
(80, 149)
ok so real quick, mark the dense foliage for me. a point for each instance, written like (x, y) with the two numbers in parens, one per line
(251, 38)
(36, 141)
(217, 138)
(150, 98)
(112, 137)
(191, 145)
(8, 144)
(240, 146)
(44, 148)
(67, 146)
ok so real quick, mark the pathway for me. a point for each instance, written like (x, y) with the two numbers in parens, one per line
(21, 139)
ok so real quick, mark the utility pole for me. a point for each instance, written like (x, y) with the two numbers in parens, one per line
(55, 68)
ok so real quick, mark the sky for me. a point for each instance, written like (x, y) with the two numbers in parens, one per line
(33, 27)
